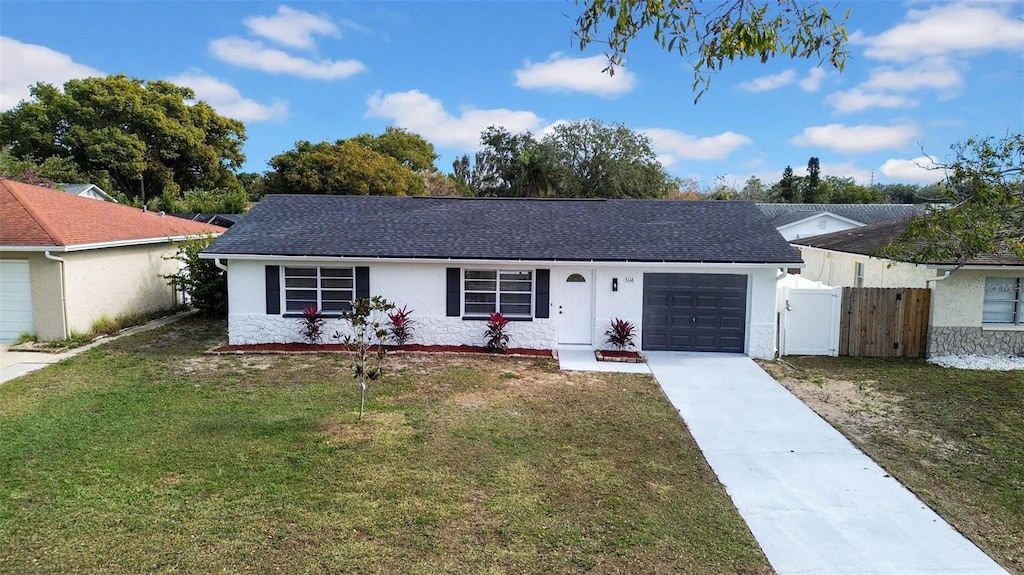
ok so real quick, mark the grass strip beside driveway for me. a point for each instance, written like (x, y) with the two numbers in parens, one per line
(147, 456)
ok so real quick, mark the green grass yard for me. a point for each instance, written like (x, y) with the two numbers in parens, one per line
(147, 456)
(955, 437)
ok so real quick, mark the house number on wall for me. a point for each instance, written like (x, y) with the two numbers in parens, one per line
(628, 279)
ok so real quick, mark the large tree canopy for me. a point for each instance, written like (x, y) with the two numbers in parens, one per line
(345, 167)
(410, 149)
(713, 33)
(146, 136)
(985, 214)
(582, 159)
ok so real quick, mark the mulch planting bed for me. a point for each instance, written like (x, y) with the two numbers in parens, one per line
(620, 356)
(298, 348)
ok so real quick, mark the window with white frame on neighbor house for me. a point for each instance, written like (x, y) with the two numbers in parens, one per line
(858, 273)
(509, 292)
(329, 290)
(1002, 301)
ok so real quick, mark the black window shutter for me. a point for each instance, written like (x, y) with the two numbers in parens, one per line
(454, 288)
(543, 308)
(273, 290)
(362, 282)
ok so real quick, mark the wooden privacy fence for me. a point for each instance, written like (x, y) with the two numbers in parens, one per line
(884, 322)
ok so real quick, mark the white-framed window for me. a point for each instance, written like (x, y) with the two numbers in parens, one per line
(858, 274)
(330, 290)
(1002, 301)
(507, 291)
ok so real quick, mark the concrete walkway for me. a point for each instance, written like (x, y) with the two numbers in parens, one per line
(14, 364)
(814, 502)
(582, 358)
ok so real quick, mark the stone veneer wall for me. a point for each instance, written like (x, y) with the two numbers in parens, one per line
(967, 340)
(247, 329)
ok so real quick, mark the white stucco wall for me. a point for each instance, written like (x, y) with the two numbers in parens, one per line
(822, 224)
(422, 287)
(838, 269)
(958, 300)
(113, 281)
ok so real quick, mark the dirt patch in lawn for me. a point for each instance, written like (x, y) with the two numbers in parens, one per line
(856, 407)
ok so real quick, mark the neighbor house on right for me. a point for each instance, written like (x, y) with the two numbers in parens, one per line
(975, 308)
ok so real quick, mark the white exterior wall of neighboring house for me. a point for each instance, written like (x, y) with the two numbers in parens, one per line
(816, 225)
(839, 269)
(956, 317)
(118, 280)
(422, 287)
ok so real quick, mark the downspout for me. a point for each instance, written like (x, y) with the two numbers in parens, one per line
(220, 266)
(931, 306)
(63, 293)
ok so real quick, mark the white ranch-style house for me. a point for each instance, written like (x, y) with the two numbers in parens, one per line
(697, 276)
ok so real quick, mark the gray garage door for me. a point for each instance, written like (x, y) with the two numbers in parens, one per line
(695, 312)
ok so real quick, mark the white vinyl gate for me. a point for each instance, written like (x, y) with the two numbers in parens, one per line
(809, 321)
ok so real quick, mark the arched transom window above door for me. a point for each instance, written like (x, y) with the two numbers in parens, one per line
(575, 278)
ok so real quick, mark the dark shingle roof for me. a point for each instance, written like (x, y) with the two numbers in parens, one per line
(782, 214)
(506, 229)
(868, 240)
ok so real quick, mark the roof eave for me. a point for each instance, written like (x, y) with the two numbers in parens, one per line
(102, 245)
(532, 261)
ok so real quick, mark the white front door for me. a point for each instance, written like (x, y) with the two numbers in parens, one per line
(575, 307)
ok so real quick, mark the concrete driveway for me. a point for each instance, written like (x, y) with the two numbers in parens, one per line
(814, 502)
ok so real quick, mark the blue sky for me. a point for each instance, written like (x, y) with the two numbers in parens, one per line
(921, 76)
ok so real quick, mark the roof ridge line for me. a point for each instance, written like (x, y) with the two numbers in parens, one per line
(43, 222)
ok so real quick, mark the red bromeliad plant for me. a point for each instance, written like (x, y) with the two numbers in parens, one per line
(312, 324)
(621, 334)
(400, 325)
(495, 334)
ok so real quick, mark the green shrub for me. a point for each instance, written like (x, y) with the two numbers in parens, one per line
(201, 281)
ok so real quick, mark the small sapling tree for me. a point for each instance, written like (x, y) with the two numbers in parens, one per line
(368, 334)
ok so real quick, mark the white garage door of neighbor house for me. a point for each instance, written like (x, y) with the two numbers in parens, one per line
(15, 300)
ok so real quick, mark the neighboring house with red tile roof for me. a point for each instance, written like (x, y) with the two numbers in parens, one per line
(66, 261)
(975, 308)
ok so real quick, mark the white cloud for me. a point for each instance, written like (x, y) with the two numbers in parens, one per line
(857, 99)
(425, 115)
(26, 64)
(672, 146)
(770, 82)
(812, 82)
(921, 170)
(931, 73)
(227, 100)
(562, 73)
(947, 29)
(856, 139)
(292, 28)
(253, 54)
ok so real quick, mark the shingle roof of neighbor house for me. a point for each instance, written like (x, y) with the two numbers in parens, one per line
(41, 217)
(869, 239)
(506, 229)
(782, 214)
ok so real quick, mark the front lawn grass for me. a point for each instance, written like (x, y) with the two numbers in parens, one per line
(146, 456)
(955, 437)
